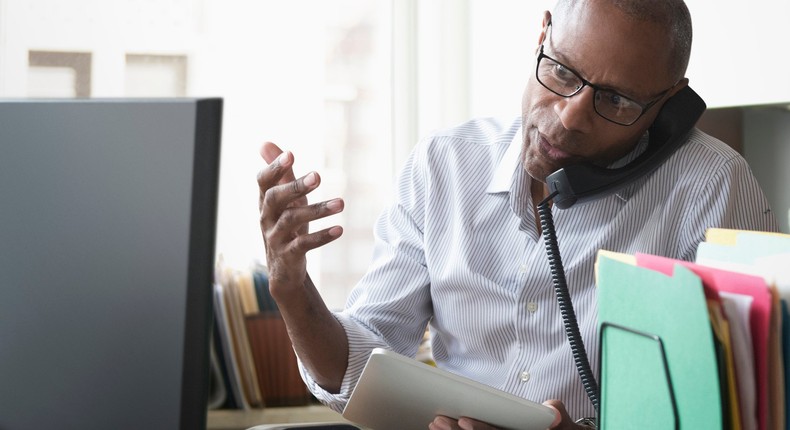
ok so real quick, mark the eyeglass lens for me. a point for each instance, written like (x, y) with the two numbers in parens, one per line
(565, 82)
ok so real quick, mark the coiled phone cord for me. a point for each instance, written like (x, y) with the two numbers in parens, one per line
(564, 301)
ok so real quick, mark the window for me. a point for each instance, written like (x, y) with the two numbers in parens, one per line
(149, 75)
(59, 74)
(347, 85)
(310, 75)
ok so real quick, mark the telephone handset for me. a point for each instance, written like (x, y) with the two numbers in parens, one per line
(585, 182)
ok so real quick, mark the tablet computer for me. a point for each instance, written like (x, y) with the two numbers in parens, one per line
(397, 392)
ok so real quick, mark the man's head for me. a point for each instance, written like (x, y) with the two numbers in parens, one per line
(629, 56)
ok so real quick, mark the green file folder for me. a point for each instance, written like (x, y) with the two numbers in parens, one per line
(636, 391)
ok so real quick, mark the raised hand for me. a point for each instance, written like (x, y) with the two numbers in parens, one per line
(285, 215)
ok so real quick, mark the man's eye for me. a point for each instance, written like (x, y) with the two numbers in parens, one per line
(612, 99)
(563, 73)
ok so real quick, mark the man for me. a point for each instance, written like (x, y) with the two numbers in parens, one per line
(460, 249)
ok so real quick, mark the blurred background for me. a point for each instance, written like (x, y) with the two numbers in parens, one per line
(350, 86)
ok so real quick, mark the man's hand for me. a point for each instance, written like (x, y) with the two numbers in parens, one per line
(284, 218)
(318, 338)
(445, 423)
(562, 421)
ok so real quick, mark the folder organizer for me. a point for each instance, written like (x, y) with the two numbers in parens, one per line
(696, 345)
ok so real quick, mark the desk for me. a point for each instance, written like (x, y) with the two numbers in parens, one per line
(231, 419)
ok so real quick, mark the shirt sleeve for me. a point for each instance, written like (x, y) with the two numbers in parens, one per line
(391, 305)
(730, 198)
(360, 344)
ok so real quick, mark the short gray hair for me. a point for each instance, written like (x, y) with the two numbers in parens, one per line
(670, 14)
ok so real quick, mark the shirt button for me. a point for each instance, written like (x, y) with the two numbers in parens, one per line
(524, 376)
(522, 268)
(532, 307)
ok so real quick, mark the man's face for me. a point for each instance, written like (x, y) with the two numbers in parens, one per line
(612, 51)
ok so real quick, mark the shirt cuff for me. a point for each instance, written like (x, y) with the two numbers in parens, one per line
(361, 342)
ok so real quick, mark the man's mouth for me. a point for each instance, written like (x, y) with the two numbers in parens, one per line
(552, 152)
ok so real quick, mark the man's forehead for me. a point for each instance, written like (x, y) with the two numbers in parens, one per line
(614, 52)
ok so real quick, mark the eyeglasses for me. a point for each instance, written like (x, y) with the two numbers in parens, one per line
(612, 106)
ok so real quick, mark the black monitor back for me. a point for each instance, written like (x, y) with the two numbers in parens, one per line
(107, 230)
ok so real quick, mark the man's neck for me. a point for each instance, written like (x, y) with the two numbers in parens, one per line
(539, 191)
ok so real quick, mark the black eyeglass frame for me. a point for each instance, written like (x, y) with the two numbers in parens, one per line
(596, 89)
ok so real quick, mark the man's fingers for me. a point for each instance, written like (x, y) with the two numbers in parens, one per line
(471, 424)
(289, 229)
(269, 151)
(279, 169)
(311, 241)
(279, 197)
(293, 219)
(441, 422)
(561, 420)
(292, 254)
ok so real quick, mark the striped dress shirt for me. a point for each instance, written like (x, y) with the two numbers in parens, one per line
(459, 250)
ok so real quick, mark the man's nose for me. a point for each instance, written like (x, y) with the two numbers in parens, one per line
(577, 112)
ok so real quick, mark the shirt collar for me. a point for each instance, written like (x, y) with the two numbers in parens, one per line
(503, 175)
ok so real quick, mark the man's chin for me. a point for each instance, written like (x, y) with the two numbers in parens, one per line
(538, 173)
(538, 166)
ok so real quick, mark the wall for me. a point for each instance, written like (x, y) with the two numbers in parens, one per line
(766, 135)
(736, 58)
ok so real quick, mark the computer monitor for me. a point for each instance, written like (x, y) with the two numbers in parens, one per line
(107, 231)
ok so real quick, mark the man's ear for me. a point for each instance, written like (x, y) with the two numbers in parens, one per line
(544, 29)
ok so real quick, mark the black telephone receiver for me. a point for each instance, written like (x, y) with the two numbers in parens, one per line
(584, 182)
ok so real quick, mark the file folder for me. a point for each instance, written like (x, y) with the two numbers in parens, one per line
(760, 320)
(671, 313)
(741, 356)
